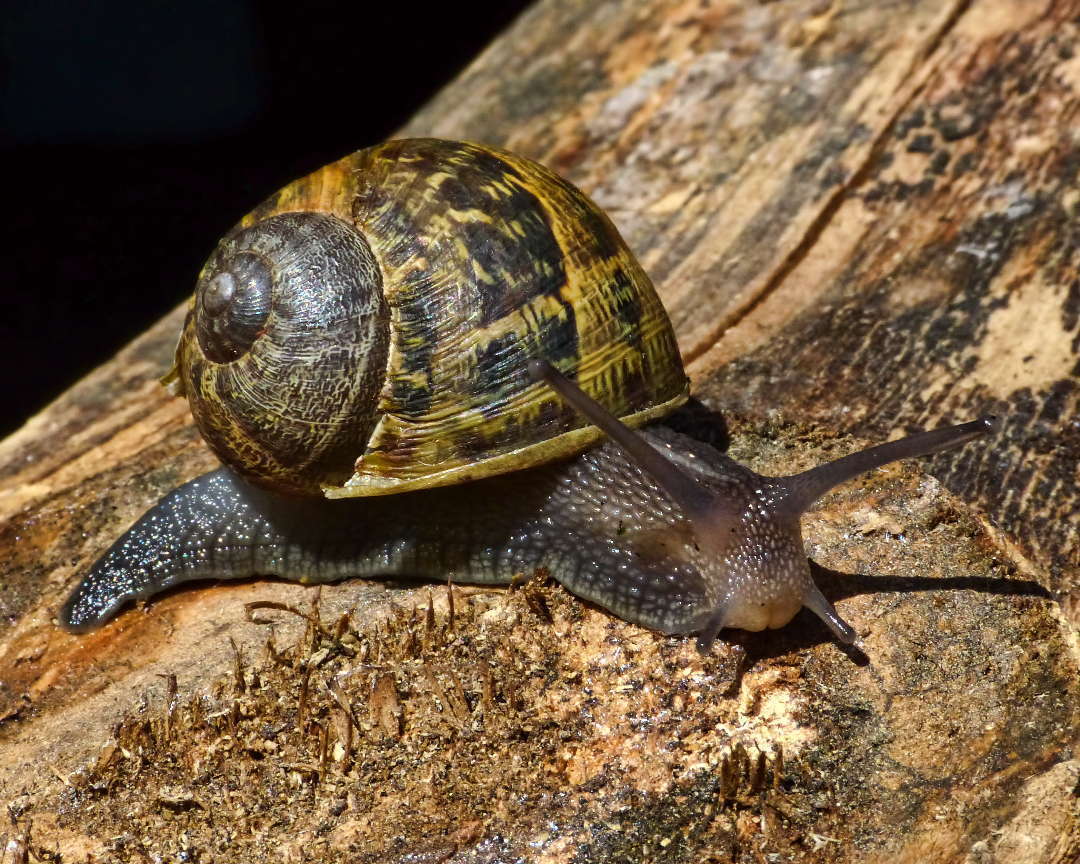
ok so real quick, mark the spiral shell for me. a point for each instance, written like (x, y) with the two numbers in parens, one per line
(367, 329)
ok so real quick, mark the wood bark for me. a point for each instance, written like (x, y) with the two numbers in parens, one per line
(863, 218)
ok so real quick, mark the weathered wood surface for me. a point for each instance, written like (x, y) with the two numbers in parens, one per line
(863, 218)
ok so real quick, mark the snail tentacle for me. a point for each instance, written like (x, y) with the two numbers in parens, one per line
(748, 529)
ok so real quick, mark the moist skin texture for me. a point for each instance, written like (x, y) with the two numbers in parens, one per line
(598, 523)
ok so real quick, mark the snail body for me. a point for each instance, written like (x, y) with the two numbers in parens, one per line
(408, 320)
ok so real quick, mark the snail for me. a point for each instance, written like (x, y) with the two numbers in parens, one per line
(460, 343)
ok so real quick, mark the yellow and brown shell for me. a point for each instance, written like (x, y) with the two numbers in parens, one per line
(469, 262)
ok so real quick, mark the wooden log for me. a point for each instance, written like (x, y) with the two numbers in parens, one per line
(862, 219)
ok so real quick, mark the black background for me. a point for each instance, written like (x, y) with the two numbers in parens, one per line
(137, 132)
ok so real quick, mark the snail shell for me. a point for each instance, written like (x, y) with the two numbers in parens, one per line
(368, 329)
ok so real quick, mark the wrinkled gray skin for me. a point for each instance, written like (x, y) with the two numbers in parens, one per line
(582, 520)
(597, 523)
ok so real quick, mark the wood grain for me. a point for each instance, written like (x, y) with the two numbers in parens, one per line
(862, 218)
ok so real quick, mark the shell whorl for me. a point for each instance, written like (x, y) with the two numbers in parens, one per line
(233, 305)
(284, 351)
